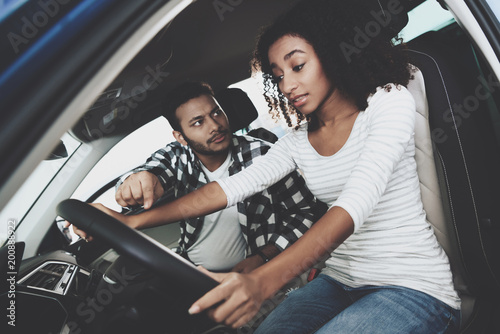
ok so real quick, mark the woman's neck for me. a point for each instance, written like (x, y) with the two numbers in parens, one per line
(335, 109)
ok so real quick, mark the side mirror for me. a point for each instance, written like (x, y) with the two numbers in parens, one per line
(59, 152)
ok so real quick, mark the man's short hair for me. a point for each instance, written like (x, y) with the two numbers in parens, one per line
(180, 95)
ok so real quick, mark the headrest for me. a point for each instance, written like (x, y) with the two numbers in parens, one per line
(238, 107)
(390, 15)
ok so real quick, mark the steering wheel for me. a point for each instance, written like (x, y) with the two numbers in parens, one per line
(139, 247)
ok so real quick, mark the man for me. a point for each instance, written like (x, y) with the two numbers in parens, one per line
(239, 238)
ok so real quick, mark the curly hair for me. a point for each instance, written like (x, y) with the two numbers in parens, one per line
(333, 28)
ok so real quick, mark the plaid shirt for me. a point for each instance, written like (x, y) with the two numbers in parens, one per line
(278, 215)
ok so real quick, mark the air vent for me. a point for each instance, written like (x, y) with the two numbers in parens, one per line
(51, 276)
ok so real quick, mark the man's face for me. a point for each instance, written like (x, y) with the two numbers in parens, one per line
(204, 125)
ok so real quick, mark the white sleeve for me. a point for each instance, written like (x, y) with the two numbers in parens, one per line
(263, 173)
(391, 127)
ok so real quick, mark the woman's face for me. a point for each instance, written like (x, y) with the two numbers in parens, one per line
(299, 74)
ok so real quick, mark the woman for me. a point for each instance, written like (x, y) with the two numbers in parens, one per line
(386, 272)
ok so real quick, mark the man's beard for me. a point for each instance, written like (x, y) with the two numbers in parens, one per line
(203, 149)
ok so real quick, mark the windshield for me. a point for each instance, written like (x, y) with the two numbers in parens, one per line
(20, 204)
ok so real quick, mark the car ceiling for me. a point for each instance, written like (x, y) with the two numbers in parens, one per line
(208, 41)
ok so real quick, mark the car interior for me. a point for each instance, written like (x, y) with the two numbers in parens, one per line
(123, 282)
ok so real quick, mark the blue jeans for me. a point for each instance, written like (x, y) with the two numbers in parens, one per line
(327, 306)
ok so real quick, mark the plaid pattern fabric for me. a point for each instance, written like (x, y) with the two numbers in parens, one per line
(277, 215)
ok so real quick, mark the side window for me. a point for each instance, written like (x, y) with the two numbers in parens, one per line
(495, 7)
(129, 153)
(22, 202)
(428, 16)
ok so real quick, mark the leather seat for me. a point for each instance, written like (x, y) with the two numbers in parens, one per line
(460, 193)
(241, 111)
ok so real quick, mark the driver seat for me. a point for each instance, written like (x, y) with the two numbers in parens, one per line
(458, 160)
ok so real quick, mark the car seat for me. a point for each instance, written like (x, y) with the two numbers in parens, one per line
(458, 159)
(241, 111)
(461, 197)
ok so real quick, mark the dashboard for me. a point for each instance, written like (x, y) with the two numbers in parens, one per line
(56, 293)
(49, 290)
